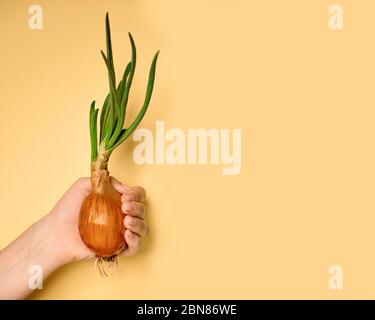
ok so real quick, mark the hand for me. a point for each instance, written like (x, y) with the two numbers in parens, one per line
(63, 220)
(54, 240)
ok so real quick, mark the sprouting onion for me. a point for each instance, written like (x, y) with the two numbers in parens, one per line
(101, 221)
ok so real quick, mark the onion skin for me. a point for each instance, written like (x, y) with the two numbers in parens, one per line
(101, 220)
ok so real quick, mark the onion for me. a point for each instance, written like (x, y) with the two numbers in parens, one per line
(101, 220)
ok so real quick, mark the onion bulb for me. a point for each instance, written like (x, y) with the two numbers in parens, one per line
(101, 220)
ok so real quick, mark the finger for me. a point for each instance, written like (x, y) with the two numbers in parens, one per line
(136, 225)
(134, 243)
(137, 194)
(120, 187)
(135, 209)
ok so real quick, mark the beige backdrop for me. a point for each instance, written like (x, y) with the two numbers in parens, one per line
(301, 93)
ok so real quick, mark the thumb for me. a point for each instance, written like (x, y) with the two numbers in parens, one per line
(120, 187)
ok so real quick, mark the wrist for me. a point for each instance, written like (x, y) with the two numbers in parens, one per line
(50, 244)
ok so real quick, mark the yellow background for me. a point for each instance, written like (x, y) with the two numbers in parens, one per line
(301, 93)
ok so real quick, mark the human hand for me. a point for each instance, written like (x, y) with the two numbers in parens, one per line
(63, 220)
(54, 240)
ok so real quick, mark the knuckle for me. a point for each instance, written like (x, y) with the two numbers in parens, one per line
(134, 248)
(137, 242)
(139, 193)
(140, 209)
(147, 230)
(142, 192)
